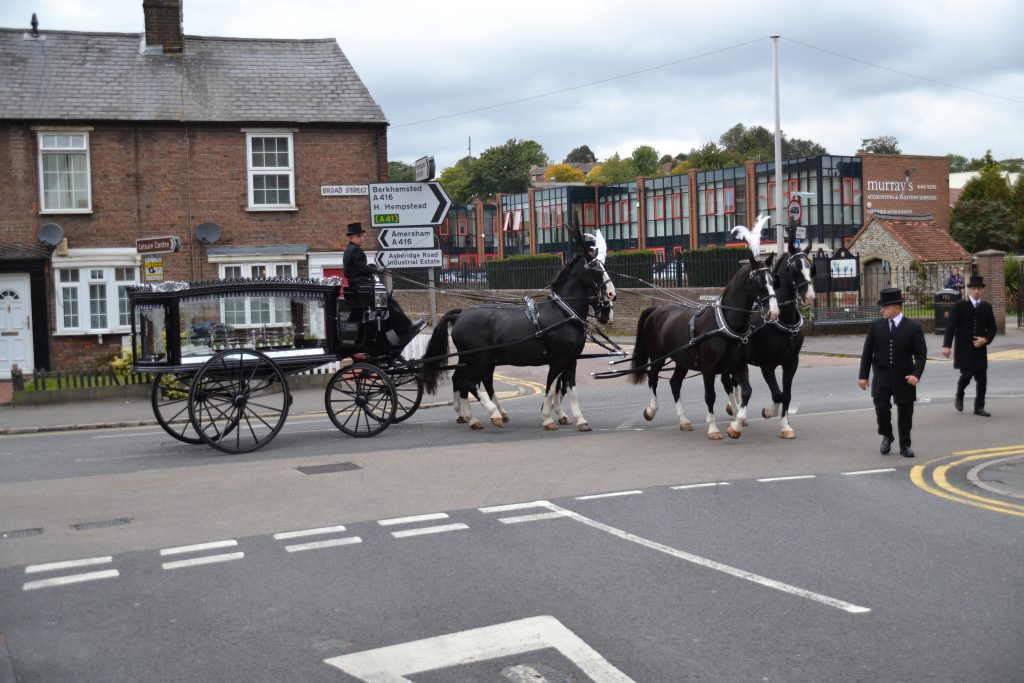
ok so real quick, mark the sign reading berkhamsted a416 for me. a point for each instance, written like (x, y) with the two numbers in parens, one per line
(397, 205)
(157, 245)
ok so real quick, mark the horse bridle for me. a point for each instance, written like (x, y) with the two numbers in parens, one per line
(599, 301)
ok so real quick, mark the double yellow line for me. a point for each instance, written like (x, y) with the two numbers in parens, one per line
(919, 474)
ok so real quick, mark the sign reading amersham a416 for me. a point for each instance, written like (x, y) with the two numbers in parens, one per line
(394, 205)
(406, 238)
(157, 245)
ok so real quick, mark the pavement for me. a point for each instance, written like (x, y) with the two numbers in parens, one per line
(134, 412)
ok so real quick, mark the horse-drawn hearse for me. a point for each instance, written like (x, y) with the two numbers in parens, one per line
(221, 351)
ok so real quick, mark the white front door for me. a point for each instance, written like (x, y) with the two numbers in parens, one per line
(15, 325)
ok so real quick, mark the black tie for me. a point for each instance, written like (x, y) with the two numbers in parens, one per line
(892, 327)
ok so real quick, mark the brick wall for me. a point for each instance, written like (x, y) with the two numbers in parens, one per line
(991, 266)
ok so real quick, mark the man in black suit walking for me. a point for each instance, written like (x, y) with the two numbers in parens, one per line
(973, 325)
(896, 349)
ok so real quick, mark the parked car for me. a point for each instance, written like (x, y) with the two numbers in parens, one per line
(670, 273)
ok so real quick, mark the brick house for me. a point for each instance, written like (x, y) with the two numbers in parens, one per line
(107, 138)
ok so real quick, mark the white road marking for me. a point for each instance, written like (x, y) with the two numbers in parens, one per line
(717, 566)
(404, 533)
(515, 506)
(884, 469)
(319, 545)
(415, 518)
(208, 559)
(530, 518)
(393, 663)
(798, 476)
(73, 578)
(198, 547)
(609, 495)
(285, 535)
(699, 486)
(68, 564)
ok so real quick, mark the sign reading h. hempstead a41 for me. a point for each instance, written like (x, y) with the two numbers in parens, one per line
(395, 205)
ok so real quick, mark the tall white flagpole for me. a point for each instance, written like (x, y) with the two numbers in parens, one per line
(779, 209)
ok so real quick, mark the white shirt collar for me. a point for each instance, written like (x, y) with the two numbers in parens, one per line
(974, 302)
(898, 319)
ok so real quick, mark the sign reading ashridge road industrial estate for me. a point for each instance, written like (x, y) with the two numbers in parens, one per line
(407, 204)
(408, 258)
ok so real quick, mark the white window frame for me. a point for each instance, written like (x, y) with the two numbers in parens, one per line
(95, 267)
(262, 171)
(278, 316)
(44, 150)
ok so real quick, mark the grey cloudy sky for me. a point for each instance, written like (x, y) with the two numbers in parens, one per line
(942, 76)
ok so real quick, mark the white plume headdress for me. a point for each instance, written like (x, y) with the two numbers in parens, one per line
(599, 243)
(751, 237)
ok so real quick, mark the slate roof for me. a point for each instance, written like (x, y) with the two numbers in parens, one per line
(105, 76)
(922, 237)
(24, 251)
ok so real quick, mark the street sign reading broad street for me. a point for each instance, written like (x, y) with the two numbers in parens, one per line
(396, 205)
(406, 238)
(408, 258)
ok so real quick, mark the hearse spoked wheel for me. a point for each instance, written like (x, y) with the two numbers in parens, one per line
(169, 398)
(408, 390)
(360, 400)
(238, 401)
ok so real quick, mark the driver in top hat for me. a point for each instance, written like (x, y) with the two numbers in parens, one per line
(972, 324)
(359, 271)
(896, 351)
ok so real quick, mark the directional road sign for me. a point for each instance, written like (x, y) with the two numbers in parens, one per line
(394, 205)
(409, 258)
(406, 238)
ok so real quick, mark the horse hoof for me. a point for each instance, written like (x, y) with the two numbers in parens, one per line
(497, 422)
(564, 421)
(728, 408)
(551, 426)
(686, 426)
(715, 436)
(788, 434)
(764, 413)
(648, 415)
(733, 434)
(460, 420)
(475, 424)
(505, 418)
(583, 427)
(745, 423)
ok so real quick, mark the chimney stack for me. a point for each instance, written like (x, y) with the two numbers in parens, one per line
(163, 25)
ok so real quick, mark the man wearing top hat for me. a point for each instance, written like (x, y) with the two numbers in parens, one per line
(973, 325)
(360, 272)
(896, 350)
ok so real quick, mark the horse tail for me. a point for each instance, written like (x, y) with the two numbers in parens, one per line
(437, 351)
(640, 355)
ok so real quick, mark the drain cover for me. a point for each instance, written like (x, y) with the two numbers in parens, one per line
(21, 533)
(327, 469)
(100, 525)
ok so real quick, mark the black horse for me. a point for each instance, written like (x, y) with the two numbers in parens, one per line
(703, 339)
(776, 343)
(550, 332)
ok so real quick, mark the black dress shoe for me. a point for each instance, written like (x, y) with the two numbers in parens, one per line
(958, 403)
(982, 412)
(411, 333)
(886, 445)
(907, 452)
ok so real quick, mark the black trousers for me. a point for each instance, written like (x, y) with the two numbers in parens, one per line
(904, 418)
(980, 385)
(398, 320)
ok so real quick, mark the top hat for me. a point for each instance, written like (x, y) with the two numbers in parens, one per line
(890, 295)
(355, 229)
(976, 281)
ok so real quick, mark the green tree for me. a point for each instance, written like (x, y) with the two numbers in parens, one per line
(506, 168)
(456, 180)
(980, 224)
(957, 163)
(758, 143)
(401, 172)
(792, 149)
(990, 184)
(564, 173)
(580, 155)
(645, 161)
(883, 144)
(614, 170)
(709, 157)
(1015, 165)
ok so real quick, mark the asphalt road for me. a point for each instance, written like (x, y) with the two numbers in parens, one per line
(634, 552)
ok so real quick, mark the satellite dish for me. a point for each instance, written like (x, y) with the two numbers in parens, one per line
(50, 234)
(208, 233)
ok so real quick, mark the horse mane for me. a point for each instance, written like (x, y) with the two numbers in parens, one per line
(563, 274)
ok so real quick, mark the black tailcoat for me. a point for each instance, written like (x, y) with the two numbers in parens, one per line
(357, 269)
(965, 323)
(893, 358)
